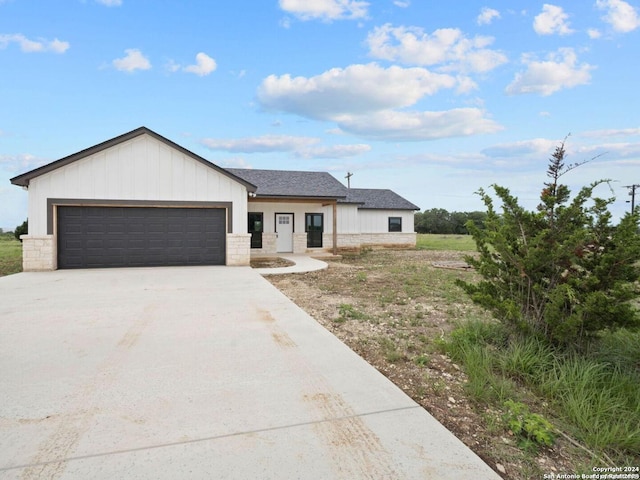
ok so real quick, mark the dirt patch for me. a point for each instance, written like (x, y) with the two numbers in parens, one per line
(270, 262)
(392, 307)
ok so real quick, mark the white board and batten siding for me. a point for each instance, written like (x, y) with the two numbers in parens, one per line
(142, 168)
(377, 221)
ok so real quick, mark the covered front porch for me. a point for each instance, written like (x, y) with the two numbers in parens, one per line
(292, 226)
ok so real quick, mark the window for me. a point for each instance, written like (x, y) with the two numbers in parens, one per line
(314, 226)
(255, 229)
(395, 224)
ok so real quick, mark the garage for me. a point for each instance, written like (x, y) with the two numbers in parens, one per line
(136, 200)
(111, 236)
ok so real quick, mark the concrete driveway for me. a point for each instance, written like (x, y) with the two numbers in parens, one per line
(199, 372)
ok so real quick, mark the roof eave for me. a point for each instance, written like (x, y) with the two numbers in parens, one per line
(391, 208)
(298, 197)
(24, 179)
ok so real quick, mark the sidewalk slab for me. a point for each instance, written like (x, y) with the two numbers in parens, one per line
(303, 263)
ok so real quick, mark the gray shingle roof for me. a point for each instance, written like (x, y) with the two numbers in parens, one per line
(381, 199)
(284, 183)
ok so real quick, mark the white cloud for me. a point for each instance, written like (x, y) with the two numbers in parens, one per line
(613, 151)
(132, 61)
(415, 126)
(535, 147)
(110, 3)
(620, 132)
(204, 65)
(31, 46)
(487, 15)
(559, 71)
(447, 47)
(465, 84)
(300, 147)
(594, 33)
(265, 143)
(622, 16)
(285, 23)
(326, 10)
(172, 67)
(365, 99)
(21, 163)
(334, 151)
(552, 20)
(354, 89)
(402, 4)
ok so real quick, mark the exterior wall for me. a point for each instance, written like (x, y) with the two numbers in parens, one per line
(348, 219)
(39, 253)
(268, 245)
(140, 169)
(377, 221)
(238, 248)
(349, 241)
(269, 210)
(356, 227)
(299, 242)
(393, 239)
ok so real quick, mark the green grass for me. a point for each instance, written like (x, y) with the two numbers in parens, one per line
(10, 255)
(346, 311)
(460, 243)
(595, 397)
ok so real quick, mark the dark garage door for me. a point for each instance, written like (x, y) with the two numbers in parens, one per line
(97, 237)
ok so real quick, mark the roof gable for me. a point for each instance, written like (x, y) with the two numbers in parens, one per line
(24, 179)
(285, 183)
(379, 199)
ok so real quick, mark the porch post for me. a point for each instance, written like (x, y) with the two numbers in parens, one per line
(335, 227)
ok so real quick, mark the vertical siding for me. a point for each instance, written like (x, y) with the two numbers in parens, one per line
(140, 169)
(377, 221)
(348, 219)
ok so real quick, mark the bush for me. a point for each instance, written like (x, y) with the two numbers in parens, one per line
(21, 230)
(563, 272)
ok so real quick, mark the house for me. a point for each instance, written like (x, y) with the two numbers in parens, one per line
(140, 199)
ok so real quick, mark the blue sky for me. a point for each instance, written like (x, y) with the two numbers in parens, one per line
(431, 99)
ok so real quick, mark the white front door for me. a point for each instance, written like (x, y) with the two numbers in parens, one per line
(284, 229)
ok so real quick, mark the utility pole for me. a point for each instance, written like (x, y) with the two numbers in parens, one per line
(348, 177)
(632, 192)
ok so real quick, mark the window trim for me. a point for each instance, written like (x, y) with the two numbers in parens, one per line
(256, 236)
(392, 221)
(306, 216)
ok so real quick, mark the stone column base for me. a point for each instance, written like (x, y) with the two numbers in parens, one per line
(238, 249)
(39, 254)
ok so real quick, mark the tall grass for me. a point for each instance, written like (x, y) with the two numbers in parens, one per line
(432, 241)
(594, 396)
(10, 255)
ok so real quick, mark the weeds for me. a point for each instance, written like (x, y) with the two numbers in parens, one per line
(421, 360)
(532, 429)
(391, 351)
(347, 311)
(597, 396)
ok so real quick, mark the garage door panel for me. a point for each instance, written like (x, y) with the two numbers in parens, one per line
(94, 243)
(94, 237)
